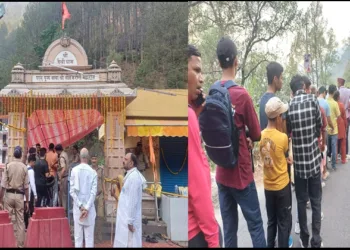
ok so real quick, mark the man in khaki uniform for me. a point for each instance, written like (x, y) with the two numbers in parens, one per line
(15, 182)
(101, 196)
(63, 175)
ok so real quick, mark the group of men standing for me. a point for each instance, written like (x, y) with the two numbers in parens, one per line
(293, 147)
(44, 183)
(51, 170)
(83, 189)
(39, 184)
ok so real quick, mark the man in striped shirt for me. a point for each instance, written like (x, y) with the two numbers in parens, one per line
(304, 121)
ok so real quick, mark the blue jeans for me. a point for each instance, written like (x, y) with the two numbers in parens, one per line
(332, 148)
(248, 200)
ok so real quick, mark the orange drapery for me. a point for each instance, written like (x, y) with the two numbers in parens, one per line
(152, 158)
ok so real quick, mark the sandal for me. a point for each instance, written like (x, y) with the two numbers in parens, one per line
(151, 239)
(144, 221)
(157, 235)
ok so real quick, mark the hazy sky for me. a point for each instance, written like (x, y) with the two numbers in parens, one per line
(337, 15)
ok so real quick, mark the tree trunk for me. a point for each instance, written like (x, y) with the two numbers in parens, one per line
(114, 18)
(101, 34)
(83, 23)
(142, 28)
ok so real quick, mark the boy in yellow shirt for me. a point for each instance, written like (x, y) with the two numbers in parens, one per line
(333, 132)
(273, 150)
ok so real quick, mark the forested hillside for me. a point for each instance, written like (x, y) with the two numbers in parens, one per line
(147, 40)
(14, 14)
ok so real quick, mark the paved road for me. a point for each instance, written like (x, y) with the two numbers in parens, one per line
(335, 228)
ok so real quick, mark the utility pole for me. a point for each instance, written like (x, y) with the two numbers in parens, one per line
(315, 31)
(307, 47)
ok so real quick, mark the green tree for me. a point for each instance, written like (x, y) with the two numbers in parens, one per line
(314, 37)
(47, 36)
(247, 23)
(148, 39)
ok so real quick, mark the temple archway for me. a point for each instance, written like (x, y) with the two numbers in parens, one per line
(44, 105)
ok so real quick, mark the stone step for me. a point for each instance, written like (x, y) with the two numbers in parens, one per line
(154, 227)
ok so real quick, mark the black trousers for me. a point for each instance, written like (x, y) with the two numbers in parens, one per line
(279, 214)
(291, 199)
(43, 196)
(199, 241)
(29, 214)
(305, 189)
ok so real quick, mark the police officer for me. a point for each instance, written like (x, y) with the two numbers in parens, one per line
(15, 182)
(62, 172)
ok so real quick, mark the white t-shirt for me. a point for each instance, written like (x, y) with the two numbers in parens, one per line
(31, 182)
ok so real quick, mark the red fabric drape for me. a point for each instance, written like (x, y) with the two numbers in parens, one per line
(64, 127)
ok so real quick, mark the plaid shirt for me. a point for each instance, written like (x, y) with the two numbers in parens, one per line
(304, 122)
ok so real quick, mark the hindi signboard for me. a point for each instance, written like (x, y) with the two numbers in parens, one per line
(66, 78)
(65, 58)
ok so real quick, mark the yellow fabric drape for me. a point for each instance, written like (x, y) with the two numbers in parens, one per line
(158, 190)
(118, 188)
(172, 131)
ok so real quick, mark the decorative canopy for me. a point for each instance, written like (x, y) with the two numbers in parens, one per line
(158, 113)
(66, 98)
(148, 127)
(60, 126)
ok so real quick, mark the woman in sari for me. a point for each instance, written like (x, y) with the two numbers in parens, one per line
(342, 125)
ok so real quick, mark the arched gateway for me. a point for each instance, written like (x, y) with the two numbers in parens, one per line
(65, 100)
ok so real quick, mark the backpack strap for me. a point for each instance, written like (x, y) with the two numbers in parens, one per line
(227, 84)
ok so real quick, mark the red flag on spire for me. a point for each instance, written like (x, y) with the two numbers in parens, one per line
(65, 13)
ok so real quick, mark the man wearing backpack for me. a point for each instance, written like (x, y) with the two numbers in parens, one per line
(236, 184)
(203, 229)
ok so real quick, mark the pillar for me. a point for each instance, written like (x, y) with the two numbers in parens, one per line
(15, 136)
(114, 153)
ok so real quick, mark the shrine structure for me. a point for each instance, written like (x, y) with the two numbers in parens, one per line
(65, 100)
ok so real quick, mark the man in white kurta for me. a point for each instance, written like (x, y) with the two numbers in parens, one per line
(83, 188)
(128, 232)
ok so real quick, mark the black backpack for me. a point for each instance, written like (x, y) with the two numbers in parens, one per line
(218, 129)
